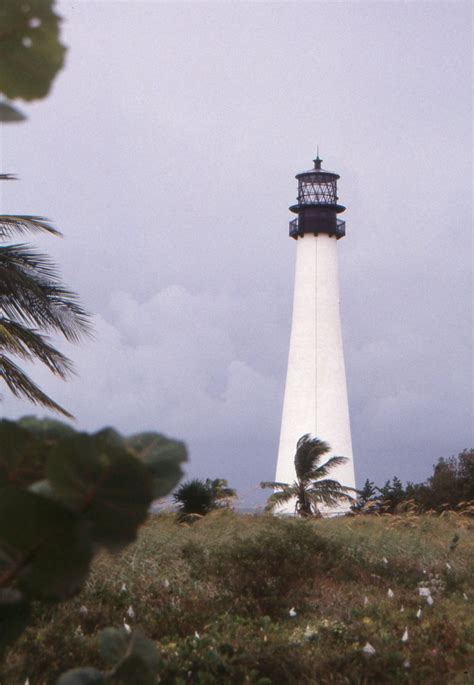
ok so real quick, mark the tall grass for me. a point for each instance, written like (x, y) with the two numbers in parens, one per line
(259, 599)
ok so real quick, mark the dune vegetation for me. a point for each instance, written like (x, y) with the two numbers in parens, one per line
(237, 598)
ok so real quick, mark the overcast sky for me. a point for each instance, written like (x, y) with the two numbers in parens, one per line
(166, 153)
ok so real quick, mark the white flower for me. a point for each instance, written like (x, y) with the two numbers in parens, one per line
(424, 591)
(405, 635)
(368, 649)
(83, 610)
(166, 582)
(385, 560)
(402, 609)
(390, 593)
(196, 635)
(123, 588)
(127, 627)
(448, 566)
(465, 596)
(366, 600)
(78, 632)
(430, 600)
(27, 681)
(292, 612)
(418, 613)
(406, 663)
(130, 612)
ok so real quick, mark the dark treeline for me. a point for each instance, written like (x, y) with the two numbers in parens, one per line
(451, 485)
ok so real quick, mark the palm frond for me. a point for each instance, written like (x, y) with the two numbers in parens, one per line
(309, 451)
(323, 470)
(275, 485)
(11, 224)
(329, 492)
(22, 386)
(279, 498)
(31, 293)
(30, 345)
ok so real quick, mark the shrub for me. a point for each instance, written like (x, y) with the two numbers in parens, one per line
(269, 573)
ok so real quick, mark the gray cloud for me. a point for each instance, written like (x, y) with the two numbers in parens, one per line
(166, 153)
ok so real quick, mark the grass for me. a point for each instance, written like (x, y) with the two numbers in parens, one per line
(216, 597)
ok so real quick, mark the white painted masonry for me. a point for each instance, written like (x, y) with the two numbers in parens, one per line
(316, 392)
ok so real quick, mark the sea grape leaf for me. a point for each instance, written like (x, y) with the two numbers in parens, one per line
(10, 114)
(30, 51)
(133, 670)
(115, 644)
(144, 648)
(110, 487)
(50, 430)
(109, 436)
(14, 617)
(21, 460)
(163, 456)
(82, 676)
(44, 547)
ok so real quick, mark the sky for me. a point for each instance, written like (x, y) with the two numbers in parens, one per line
(166, 154)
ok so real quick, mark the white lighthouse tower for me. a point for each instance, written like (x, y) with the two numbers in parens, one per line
(316, 392)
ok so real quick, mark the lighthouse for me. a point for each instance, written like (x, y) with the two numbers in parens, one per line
(315, 398)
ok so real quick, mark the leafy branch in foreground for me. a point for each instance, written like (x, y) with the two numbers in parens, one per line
(312, 488)
(64, 496)
(30, 52)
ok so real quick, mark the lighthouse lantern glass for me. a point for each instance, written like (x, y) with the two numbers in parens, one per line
(313, 190)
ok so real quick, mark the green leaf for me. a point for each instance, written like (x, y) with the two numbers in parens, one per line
(110, 487)
(44, 547)
(21, 463)
(115, 645)
(82, 676)
(109, 436)
(14, 616)
(30, 51)
(163, 456)
(10, 114)
(133, 670)
(50, 430)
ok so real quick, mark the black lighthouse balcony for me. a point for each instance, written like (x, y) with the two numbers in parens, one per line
(317, 206)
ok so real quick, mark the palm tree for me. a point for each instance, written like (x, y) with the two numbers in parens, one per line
(197, 497)
(33, 303)
(311, 487)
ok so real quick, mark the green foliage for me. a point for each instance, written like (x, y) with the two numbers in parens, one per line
(92, 491)
(82, 676)
(195, 594)
(30, 51)
(100, 479)
(47, 429)
(46, 549)
(311, 489)
(34, 304)
(268, 573)
(133, 658)
(451, 486)
(162, 456)
(367, 500)
(197, 498)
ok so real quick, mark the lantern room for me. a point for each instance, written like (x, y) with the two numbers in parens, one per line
(317, 206)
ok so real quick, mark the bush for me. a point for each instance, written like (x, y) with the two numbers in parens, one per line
(269, 573)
